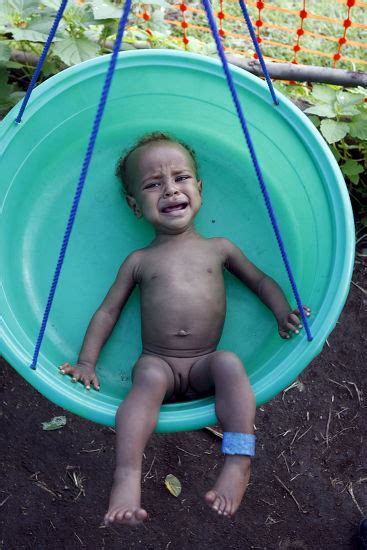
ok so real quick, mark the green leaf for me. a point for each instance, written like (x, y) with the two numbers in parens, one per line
(323, 93)
(347, 98)
(345, 110)
(315, 120)
(35, 31)
(358, 128)
(321, 110)
(75, 50)
(5, 88)
(23, 8)
(354, 178)
(52, 4)
(5, 52)
(352, 168)
(173, 485)
(103, 9)
(333, 131)
(55, 423)
(335, 152)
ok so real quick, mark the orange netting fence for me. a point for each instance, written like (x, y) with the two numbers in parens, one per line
(317, 32)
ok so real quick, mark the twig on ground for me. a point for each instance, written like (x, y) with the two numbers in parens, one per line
(215, 432)
(358, 392)
(296, 384)
(364, 236)
(5, 499)
(304, 433)
(43, 486)
(284, 433)
(79, 539)
(294, 477)
(148, 472)
(285, 460)
(340, 432)
(359, 288)
(350, 491)
(271, 521)
(78, 480)
(267, 502)
(327, 428)
(300, 509)
(295, 435)
(93, 450)
(187, 452)
(342, 385)
(343, 409)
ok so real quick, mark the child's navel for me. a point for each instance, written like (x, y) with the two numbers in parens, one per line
(182, 333)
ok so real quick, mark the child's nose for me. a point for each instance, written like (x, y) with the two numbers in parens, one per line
(170, 189)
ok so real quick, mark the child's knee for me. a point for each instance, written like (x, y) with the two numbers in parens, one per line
(226, 364)
(152, 377)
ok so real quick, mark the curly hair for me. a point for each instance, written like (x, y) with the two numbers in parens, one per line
(154, 137)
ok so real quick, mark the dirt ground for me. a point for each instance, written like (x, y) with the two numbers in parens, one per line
(308, 489)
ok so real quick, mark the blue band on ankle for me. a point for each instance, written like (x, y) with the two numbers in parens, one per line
(235, 443)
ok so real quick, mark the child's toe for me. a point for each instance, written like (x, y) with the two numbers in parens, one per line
(108, 519)
(141, 514)
(222, 505)
(216, 504)
(210, 497)
(228, 508)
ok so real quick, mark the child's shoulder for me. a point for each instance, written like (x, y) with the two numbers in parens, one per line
(222, 244)
(133, 260)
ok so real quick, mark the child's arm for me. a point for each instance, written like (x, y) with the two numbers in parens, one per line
(102, 323)
(265, 287)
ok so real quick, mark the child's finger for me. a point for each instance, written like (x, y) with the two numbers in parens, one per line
(293, 328)
(85, 380)
(294, 320)
(306, 310)
(95, 383)
(284, 334)
(65, 368)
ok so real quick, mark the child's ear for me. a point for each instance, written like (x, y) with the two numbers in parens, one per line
(133, 205)
(200, 186)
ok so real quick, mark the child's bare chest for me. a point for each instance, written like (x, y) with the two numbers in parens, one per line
(182, 267)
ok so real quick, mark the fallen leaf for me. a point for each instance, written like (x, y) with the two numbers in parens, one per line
(55, 423)
(173, 485)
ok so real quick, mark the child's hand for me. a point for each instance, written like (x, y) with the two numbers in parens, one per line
(81, 372)
(291, 322)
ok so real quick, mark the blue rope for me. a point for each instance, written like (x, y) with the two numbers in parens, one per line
(255, 162)
(258, 50)
(83, 175)
(41, 60)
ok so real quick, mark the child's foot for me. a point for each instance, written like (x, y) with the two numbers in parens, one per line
(227, 493)
(124, 504)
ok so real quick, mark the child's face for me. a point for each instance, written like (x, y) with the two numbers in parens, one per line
(164, 187)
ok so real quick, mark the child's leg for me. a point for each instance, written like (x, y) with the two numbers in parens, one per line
(235, 408)
(136, 419)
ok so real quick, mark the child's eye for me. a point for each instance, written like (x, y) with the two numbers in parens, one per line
(182, 178)
(152, 185)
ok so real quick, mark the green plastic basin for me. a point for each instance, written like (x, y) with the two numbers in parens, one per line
(187, 96)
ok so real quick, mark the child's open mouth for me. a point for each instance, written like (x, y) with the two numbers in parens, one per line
(174, 208)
